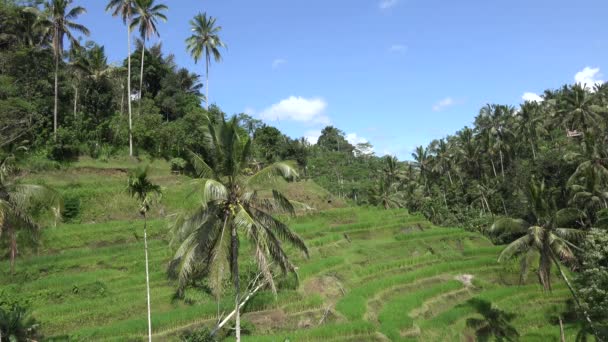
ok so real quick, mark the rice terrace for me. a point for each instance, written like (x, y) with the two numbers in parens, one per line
(370, 170)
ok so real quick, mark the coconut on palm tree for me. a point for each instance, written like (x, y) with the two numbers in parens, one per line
(17, 201)
(147, 12)
(205, 43)
(140, 187)
(58, 23)
(125, 9)
(233, 206)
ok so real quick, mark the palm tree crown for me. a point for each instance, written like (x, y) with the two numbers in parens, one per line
(205, 42)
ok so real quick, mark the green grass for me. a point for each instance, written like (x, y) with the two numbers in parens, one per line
(87, 278)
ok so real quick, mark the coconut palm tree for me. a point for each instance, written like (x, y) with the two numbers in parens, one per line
(58, 23)
(544, 237)
(421, 156)
(232, 206)
(125, 9)
(589, 193)
(494, 322)
(140, 187)
(16, 202)
(147, 12)
(578, 110)
(529, 125)
(205, 42)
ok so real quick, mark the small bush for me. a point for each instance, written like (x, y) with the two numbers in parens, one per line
(71, 209)
(178, 165)
(199, 335)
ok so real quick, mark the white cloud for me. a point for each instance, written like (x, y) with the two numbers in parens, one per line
(588, 77)
(443, 104)
(354, 139)
(531, 97)
(297, 109)
(386, 4)
(312, 136)
(278, 62)
(398, 48)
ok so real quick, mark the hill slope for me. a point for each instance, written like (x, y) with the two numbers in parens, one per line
(373, 275)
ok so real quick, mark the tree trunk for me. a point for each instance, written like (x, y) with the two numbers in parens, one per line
(207, 77)
(56, 106)
(147, 277)
(493, 168)
(533, 151)
(75, 99)
(129, 87)
(235, 270)
(562, 336)
(245, 300)
(502, 166)
(122, 99)
(450, 177)
(141, 75)
(13, 236)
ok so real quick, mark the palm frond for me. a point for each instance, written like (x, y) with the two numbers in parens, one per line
(202, 169)
(516, 247)
(272, 173)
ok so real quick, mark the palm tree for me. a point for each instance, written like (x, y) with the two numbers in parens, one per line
(16, 202)
(146, 14)
(529, 125)
(579, 111)
(495, 322)
(205, 40)
(59, 23)
(125, 9)
(232, 205)
(589, 193)
(422, 159)
(140, 187)
(543, 237)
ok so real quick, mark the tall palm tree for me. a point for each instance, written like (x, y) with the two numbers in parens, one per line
(232, 206)
(125, 9)
(58, 23)
(147, 12)
(16, 202)
(578, 110)
(544, 237)
(421, 156)
(589, 193)
(529, 125)
(140, 187)
(205, 42)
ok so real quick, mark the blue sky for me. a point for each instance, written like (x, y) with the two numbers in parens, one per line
(398, 73)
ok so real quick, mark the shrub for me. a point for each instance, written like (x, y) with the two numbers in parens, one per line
(199, 335)
(178, 165)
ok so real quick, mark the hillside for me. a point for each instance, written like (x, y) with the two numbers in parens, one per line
(372, 275)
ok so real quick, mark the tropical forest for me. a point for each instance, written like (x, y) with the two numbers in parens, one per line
(150, 190)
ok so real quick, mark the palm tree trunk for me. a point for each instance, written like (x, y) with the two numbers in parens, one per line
(141, 75)
(575, 296)
(207, 77)
(13, 236)
(147, 278)
(122, 99)
(502, 166)
(450, 177)
(75, 99)
(56, 106)
(235, 270)
(493, 168)
(129, 88)
(533, 151)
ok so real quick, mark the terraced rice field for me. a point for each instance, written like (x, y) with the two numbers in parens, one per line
(373, 275)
